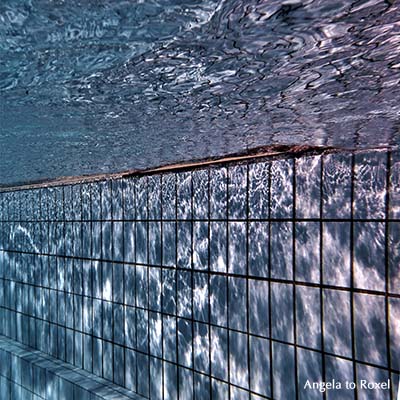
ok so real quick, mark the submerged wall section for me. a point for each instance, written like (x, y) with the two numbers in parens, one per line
(236, 281)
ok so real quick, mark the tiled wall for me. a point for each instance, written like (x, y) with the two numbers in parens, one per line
(28, 375)
(239, 281)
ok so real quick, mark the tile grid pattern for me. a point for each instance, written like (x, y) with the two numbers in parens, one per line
(232, 282)
(28, 375)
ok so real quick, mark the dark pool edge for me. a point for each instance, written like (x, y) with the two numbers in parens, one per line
(262, 152)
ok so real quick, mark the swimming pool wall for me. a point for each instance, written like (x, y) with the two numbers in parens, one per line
(238, 281)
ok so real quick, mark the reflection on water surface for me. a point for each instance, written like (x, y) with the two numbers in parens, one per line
(99, 87)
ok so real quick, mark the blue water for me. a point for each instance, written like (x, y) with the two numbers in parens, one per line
(88, 87)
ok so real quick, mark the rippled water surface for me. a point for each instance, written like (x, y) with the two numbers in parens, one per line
(104, 86)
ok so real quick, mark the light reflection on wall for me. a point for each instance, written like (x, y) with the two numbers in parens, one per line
(245, 279)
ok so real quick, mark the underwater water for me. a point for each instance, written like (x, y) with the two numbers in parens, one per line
(238, 281)
(89, 87)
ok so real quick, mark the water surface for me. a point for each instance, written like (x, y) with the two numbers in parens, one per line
(104, 86)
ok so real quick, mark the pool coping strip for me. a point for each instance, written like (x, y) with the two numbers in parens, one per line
(251, 154)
